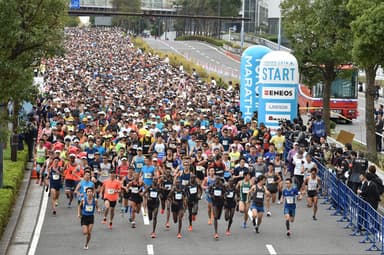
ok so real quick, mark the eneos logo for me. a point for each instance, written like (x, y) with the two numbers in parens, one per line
(278, 93)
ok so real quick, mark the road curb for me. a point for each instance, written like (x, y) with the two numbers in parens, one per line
(16, 211)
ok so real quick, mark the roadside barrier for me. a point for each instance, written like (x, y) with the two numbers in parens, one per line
(359, 216)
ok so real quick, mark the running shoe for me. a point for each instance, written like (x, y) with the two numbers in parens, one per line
(314, 217)
(179, 236)
(162, 211)
(269, 214)
(85, 247)
(104, 221)
(54, 212)
(257, 229)
(133, 224)
(288, 233)
(69, 205)
(228, 233)
(130, 219)
(57, 203)
(254, 222)
(216, 236)
(278, 202)
(190, 228)
(167, 225)
(153, 235)
(110, 225)
(244, 225)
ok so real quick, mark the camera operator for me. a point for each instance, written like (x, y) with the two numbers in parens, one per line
(359, 165)
(341, 164)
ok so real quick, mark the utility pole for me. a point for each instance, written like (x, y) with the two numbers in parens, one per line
(242, 25)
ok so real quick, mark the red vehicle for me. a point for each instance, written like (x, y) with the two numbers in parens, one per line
(343, 102)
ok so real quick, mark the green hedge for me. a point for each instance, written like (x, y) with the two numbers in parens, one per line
(176, 59)
(13, 174)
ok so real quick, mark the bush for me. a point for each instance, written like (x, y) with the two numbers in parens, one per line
(332, 124)
(13, 176)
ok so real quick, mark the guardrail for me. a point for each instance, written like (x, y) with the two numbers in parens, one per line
(360, 217)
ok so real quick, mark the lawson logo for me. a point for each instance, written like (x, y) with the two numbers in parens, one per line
(278, 93)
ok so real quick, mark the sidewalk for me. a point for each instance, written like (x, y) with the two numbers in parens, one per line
(25, 228)
(18, 234)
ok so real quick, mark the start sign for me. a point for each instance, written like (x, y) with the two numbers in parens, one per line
(279, 79)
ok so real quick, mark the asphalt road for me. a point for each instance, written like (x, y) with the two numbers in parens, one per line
(61, 235)
(209, 57)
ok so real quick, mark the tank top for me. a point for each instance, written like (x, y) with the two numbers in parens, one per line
(153, 194)
(123, 170)
(168, 163)
(54, 176)
(88, 209)
(258, 196)
(312, 184)
(139, 163)
(210, 181)
(40, 154)
(192, 192)
(184, 178)
(278, 167)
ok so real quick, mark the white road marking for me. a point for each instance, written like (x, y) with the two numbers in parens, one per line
(145, 217)
(270, 249)
(150, 249)
(39, 225)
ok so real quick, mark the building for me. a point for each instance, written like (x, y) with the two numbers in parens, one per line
(257, 11)
(157, 4)
(273, 16)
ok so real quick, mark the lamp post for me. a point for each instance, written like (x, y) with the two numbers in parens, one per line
(279, 31)
(242, 25)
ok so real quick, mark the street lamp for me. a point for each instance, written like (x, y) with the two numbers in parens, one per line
(279, 32)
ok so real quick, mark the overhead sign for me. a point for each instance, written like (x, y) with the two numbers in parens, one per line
(249, 80)
(279, 79)
(75, 4)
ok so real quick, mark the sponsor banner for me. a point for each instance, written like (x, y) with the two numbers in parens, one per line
(278, 93)
(249, 80)
(279, 78)
(278, 107)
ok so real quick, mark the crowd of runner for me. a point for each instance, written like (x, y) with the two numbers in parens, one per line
(124, 128)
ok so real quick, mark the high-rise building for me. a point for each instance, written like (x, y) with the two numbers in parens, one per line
(257, 11)
(273, 16)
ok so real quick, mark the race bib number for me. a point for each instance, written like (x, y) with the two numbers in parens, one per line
(257, 174)
(271, 180)
(153, 194)
(260, 195)
(91, 156)
(169, 164)
(184, 182)
(104, 173)
(89, 208)
(139, 165)
(277, 169)
(225, 142)
(200, 168)
(241, 173)
(148, 175)
(168, 186)
(111, 191)
(312, 186)
(217, 192)
(230, 194)
(135, 190)
(178, 196)
(193, 190)
(56, 177)
(245, 190)
(290, 200)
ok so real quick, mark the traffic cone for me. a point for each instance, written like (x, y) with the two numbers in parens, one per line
(34, 171)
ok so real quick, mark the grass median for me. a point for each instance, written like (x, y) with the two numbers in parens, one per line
(13, 174)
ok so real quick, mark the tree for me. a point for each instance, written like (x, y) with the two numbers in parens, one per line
(30, 30)
(125, 21)
(368, 53)
(319, 34)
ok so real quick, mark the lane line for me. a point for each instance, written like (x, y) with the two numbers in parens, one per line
(150, 249)
(270, 249)
(39, 225)
(145, 217)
